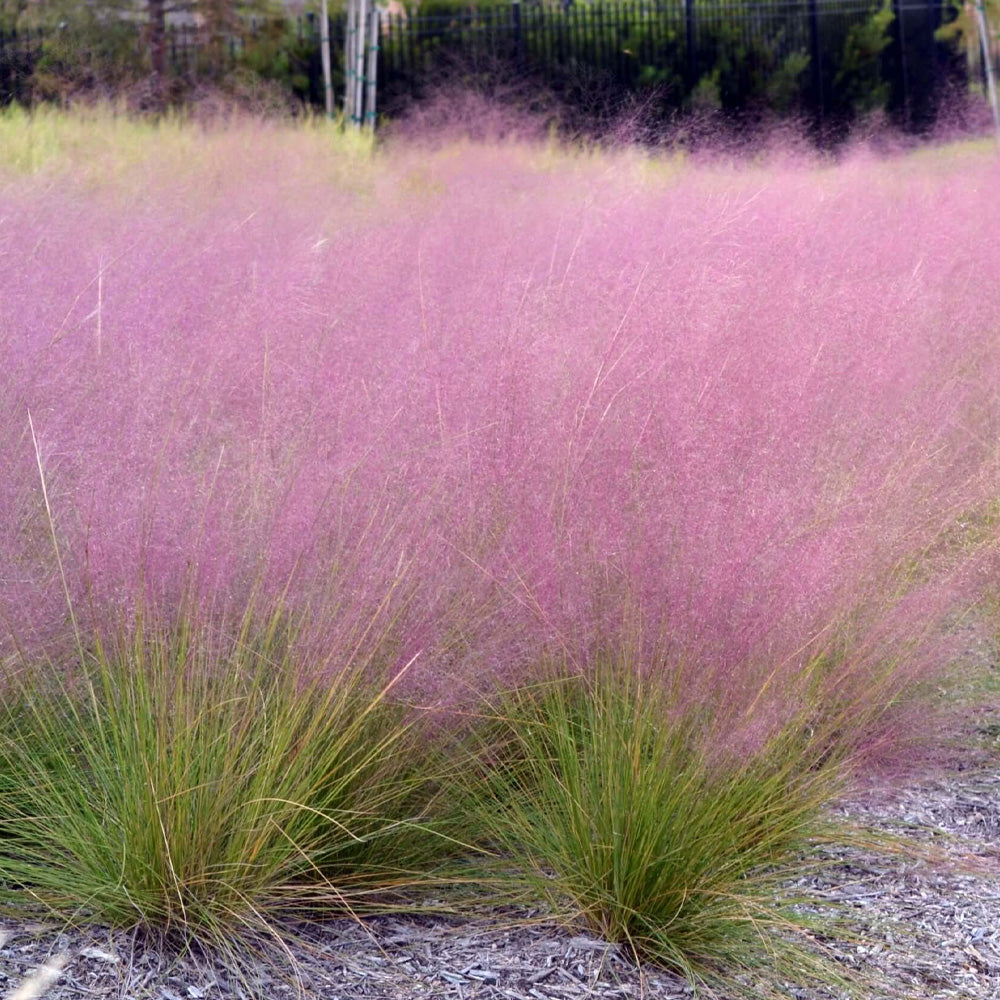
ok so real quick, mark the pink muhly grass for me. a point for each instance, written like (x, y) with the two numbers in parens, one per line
(515, 402)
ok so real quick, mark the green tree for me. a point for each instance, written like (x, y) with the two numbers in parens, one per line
(859, 82)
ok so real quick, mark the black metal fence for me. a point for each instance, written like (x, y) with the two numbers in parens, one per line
(825, 59)
(19, 52)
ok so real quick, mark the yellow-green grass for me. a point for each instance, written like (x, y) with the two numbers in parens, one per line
(105, 146)
(211, 780)
(208, 784)
(610, 803)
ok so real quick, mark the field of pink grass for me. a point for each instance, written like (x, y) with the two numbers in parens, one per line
(510, 402)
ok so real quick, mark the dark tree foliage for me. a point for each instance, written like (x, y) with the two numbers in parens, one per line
(150, 49)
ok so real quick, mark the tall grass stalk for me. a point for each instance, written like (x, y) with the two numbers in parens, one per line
(205, 783)
(39, 982)
(604, 799)
(480, 403)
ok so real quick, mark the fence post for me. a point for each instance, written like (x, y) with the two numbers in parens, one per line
(903, 75)
(349, 64)
(515, 13)
(984, 44)
(359, 66)
(934, 13)
(816, 58)
(371, 71)
(689, 42)
(324, 43)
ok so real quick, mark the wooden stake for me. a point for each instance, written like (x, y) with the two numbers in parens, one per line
(371, 73)
(991, 85)
(349, 60)
(359, 65)
(324, 44)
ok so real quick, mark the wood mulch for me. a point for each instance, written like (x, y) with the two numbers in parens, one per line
(929, 928)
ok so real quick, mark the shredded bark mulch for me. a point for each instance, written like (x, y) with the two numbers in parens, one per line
(927, 927)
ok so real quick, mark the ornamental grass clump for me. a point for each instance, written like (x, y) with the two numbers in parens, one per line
(505, 402)
(604, 799)
(206, 783)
